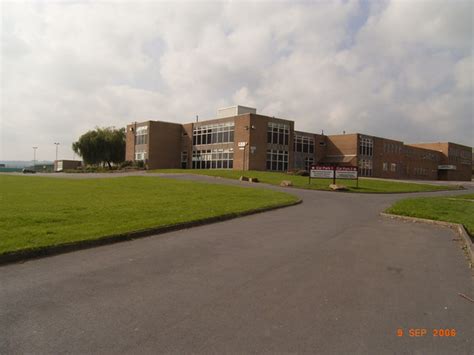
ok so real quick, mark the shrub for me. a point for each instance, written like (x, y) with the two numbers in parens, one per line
(125, 164)
(302, 173)
(298, 172)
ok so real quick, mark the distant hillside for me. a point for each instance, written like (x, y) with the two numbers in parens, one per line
(22, 163)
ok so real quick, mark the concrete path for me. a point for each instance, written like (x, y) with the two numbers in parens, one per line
(329, 276)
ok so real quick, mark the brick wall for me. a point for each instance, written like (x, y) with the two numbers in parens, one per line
(452, 154)
(390, 152)
(164, 143)
(187, 142)
(167, 140)
(241, 134)
(130, 142)
(421, 163)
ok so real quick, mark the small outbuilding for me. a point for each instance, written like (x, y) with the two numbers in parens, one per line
(61, 165)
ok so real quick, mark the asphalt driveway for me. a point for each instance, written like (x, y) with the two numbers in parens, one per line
(326, 276)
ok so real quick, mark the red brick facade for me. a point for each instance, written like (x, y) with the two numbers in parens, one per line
(170, 145)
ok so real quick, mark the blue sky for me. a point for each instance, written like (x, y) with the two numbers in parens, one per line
(399, 69)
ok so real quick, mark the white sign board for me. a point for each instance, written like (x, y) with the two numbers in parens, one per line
(242, 144)
(447, 167)
(346, 172)
(322, 172)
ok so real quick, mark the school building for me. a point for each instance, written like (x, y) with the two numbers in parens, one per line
(239, 138)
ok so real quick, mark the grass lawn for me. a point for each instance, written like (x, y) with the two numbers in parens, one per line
(39, 211)
(274, 178)
(457, 209)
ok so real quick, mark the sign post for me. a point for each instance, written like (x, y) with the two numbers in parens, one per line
(321, 172)
(334, 172)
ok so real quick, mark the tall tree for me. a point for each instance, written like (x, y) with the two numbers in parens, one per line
(102, 145)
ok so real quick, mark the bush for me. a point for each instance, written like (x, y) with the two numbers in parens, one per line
(302, 173)
(298, 172)
(125, 164)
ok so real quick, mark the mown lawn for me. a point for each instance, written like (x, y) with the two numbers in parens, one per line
(275, 178)
(456, 209)
(38, 211)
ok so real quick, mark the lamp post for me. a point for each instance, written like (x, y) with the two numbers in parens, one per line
(57, 146)
(34, 157)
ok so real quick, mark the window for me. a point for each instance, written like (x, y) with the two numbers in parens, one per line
(303, 144)
(277, 160)
(308, 162)
(214, 133)
(420, 171)
(392, 148)
(140, 155)
(278, 133)
(393, 167)
(366, 146)
(213, 159)
(365, 167)
(385, 166)
(141, 135)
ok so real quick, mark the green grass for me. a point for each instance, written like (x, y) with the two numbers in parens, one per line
(456, 209)
(275, 178)
(37, 211)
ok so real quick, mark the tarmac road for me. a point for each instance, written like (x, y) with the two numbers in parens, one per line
(328, 276)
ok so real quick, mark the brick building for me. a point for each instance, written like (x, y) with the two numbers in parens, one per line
(241, 139)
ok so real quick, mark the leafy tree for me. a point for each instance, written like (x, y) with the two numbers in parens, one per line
(102, 145)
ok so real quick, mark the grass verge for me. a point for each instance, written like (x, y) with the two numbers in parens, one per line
(41, 212)
(455, 209)
(275, 178)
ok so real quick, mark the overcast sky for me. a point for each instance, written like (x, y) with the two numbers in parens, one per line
(398, 69)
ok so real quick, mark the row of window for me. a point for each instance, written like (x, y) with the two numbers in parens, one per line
(214, 133)
(420, 154)
(393, 167)
(392, 148)
(303, 144)
(213, 159)
(459, 155)
(141, 135)
(420, 171)
(278, 133)
(277, 160)
(430, 156)
(365, 167)
(302, 161)
(366, 146)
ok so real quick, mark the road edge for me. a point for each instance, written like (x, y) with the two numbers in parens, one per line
(457, 227)
(29, 254)
(460, 187)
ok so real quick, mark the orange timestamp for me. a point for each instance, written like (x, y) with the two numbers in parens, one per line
(422, 332)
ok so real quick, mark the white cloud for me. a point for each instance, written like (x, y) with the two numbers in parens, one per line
(397, 69)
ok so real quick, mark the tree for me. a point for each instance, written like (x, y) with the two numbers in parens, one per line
(102, 145)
